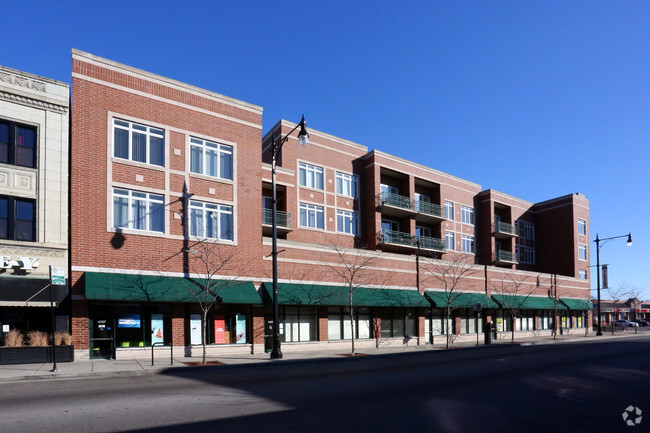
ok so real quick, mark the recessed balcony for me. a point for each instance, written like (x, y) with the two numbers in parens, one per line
(429, 211)
(431, 244)
(504, 230)
(283, 221)
(506, 258)
(395, 204)
(396, 240)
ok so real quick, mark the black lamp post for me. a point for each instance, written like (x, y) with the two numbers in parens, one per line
(303, 136)
(598, 245)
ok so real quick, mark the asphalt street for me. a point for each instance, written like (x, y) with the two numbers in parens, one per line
(556, 388)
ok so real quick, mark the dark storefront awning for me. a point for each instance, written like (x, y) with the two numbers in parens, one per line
(23, 291)
(528, 303)
(314, 294)
(577, 304)
(150, 288)
(460, 300)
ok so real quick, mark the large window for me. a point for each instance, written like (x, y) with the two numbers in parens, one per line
(450, 243)
(339, 326)
(17, 144)
(545, 319)
(398, 322)
(469, 322)
(211, 159)
(582, 274)
(582, 252)
(526, 320)
(467, 214)
(312, 216)
(310, 176)
(527, 255)
(434, 324)
(582, 227)
(209, 220)
(17, 219)
(137, 142)
(528, 230)
(298, 323)
(138, 210)
(347, 222)
(347, 184)
(449, 210)
(468, 244)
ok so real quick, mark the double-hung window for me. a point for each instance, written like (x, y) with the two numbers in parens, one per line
(347, 184)
(17, 144)
(312, 216)
(582, 227)
(310, 175)
(209, 220)
(139, 143)
(582, 252)
(450, 243)
(17, 219)
(449, 210)
(211, 159)
(347, 222)
(582, 274)
(467, 215)
(138, 210)
(468, 244)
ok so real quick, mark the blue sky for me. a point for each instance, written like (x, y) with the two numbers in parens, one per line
(536, 99)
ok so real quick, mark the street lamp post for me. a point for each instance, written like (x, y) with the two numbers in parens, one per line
(598, 246)
(303, 136)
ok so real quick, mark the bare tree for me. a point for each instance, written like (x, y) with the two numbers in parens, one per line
(447, 275)
(513, 292)
(617, 294)
(351, 266)
(635, 293)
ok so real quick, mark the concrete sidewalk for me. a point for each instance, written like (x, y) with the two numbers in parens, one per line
(102, 367)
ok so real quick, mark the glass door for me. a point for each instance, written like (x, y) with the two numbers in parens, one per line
(102, 341)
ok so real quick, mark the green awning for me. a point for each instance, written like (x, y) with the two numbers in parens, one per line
(577, 304)
(150, 288)
(314, 294)
(460, 299)
(528, 302)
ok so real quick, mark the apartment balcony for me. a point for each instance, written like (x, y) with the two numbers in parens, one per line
(429, 211)
(432, 244)
(393, 240)
(395, 204)
(284, 222)
(504, 230)
(506, 258)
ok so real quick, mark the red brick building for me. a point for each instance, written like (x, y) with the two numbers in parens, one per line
(165, 174)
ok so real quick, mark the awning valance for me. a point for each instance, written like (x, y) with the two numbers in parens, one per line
(315, 294)
(577, 304)
(460, 299)
(528, 302)
(21, 291)
(151, 288)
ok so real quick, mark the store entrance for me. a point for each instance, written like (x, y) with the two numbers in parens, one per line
(102, 341)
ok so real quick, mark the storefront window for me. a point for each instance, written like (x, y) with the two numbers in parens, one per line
(339, 327)
(298, 324)
(503, 321)
(398, 322)
(469, 322)
(526, 320)
(434, 324)
(228, 325)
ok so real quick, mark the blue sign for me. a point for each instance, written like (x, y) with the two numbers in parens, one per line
(128, 321)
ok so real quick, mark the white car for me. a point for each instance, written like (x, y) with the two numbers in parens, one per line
(625, 323)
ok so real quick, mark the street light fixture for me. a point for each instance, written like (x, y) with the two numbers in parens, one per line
(303, 136)
(598, 246)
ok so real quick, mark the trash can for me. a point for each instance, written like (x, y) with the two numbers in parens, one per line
(488, 333)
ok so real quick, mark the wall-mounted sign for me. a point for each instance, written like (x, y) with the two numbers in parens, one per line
(128, 321)
(57, 276)
(25, 263)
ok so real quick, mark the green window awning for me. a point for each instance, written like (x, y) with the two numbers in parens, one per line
(528, 303)
(577, 304)
(150, 288)
(314, 294)
(460, 299)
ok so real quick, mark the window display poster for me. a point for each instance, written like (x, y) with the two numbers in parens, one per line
(195, 329)
(564, 321)
(500, 324)
(128, 321)
(157, 328)
(219, 330)
(241, 328)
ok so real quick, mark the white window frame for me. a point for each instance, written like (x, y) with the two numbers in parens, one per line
(221, 150)
(582, 252)
(467, 214)
(449, 210)
(347, 184)
(138, 128)
(467, 244)
(582, 274)
(152, 203)
(210, 212)
(450, 239)
(311, 211)
(311, 176)
(347, 222)
(582, 227)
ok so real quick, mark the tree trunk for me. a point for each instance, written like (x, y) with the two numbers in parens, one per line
(205, 332)
(448, 313)
(352, 321)
(513, 322)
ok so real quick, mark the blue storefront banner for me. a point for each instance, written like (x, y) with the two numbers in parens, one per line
(128, 321)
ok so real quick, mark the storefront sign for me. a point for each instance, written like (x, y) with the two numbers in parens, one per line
(241, 329)
(128, 321)
(500, 324)
(195, 329)
(219, 330)
(24, 263)
(157, 328)
(57, 276)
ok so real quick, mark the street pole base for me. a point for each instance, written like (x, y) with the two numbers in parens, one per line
(54, 370)
(276, 354)
(599, 333)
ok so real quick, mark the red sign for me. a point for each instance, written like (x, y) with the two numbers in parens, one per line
(219, 330)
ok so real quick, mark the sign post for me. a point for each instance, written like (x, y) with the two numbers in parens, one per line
(57, 278)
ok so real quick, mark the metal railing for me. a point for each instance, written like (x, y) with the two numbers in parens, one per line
(284, 219)
(435, 244)
(396, 238)
(506, 228)
(506, 256)
(426, 208)
(395, 200)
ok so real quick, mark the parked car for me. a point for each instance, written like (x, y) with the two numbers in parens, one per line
(643, 322)
(625, 323)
